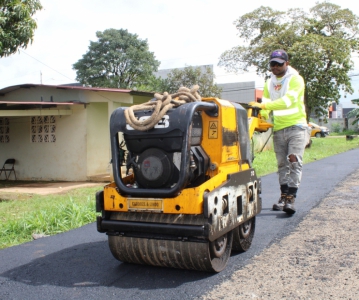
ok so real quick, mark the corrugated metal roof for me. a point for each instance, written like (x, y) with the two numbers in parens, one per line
(66, 87)
(41, 102)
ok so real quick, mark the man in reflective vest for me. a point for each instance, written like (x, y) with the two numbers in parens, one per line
(284, 95)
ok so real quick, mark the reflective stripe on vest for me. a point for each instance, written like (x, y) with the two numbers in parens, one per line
(285, 112)
(286, 101)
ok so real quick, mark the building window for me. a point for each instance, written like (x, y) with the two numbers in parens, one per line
(4, 130)
(43, 129)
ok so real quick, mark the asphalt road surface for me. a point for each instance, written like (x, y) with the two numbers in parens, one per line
(78, 264)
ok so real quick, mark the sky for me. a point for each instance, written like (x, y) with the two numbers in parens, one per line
(179, 33)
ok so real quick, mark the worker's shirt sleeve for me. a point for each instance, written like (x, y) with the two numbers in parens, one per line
(265, 99)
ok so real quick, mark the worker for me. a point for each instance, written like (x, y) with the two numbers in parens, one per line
(283, 94)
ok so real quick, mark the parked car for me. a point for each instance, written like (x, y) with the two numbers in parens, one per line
(318, 131)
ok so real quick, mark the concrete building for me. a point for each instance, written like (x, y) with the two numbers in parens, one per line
(241, 92)
(59, 132)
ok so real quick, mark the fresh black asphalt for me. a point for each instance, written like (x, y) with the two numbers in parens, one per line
(78, 264)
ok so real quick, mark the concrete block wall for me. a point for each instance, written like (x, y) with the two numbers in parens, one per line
(344, 123)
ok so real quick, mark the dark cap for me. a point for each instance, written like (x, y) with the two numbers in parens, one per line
(279, 56)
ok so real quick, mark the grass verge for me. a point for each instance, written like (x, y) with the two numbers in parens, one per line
(265, 162)
(22, 215)
(44, 214)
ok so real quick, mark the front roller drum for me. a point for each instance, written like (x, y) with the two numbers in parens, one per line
(203, 256)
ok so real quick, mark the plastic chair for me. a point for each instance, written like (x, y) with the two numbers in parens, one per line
(8, 168)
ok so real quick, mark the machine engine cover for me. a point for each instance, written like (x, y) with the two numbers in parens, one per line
(154, 168)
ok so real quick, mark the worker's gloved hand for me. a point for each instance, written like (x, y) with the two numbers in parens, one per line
(256, 104)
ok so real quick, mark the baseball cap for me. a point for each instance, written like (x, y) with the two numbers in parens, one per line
(279, 56)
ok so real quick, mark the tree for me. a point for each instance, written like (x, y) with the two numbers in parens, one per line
(188, 77)
(17, 26)
(355, 112)
(319, 45)
(153, 84)
(118, 59)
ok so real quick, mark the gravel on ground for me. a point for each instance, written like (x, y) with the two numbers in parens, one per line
(319, 260)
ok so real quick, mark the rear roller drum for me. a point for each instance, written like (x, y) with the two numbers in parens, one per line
(206, 256)
(243, 235)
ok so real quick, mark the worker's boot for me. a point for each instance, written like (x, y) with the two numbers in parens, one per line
(281, 202)
(289, 204)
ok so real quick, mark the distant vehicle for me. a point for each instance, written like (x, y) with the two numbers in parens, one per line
(318, 131)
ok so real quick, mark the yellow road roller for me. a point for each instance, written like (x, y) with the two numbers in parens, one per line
(184, 193)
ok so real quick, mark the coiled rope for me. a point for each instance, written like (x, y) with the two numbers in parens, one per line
(160, 106)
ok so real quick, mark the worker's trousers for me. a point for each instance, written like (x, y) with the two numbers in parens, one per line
(290, 140)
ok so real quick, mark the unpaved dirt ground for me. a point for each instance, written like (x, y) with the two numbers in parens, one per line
(42, 188)
(319, 260)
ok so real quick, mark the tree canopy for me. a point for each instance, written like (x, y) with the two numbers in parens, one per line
(355, 112)
(188, 77)
(118, 59)
(319, 45)
(17, 25)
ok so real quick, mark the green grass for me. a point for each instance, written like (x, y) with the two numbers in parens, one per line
(22, 215)
(265, 162)
(48, 215)
(346, 132)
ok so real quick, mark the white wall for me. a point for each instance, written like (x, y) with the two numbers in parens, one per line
(337, 121)
(98, 139)
(71, 142)
(64, 159)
